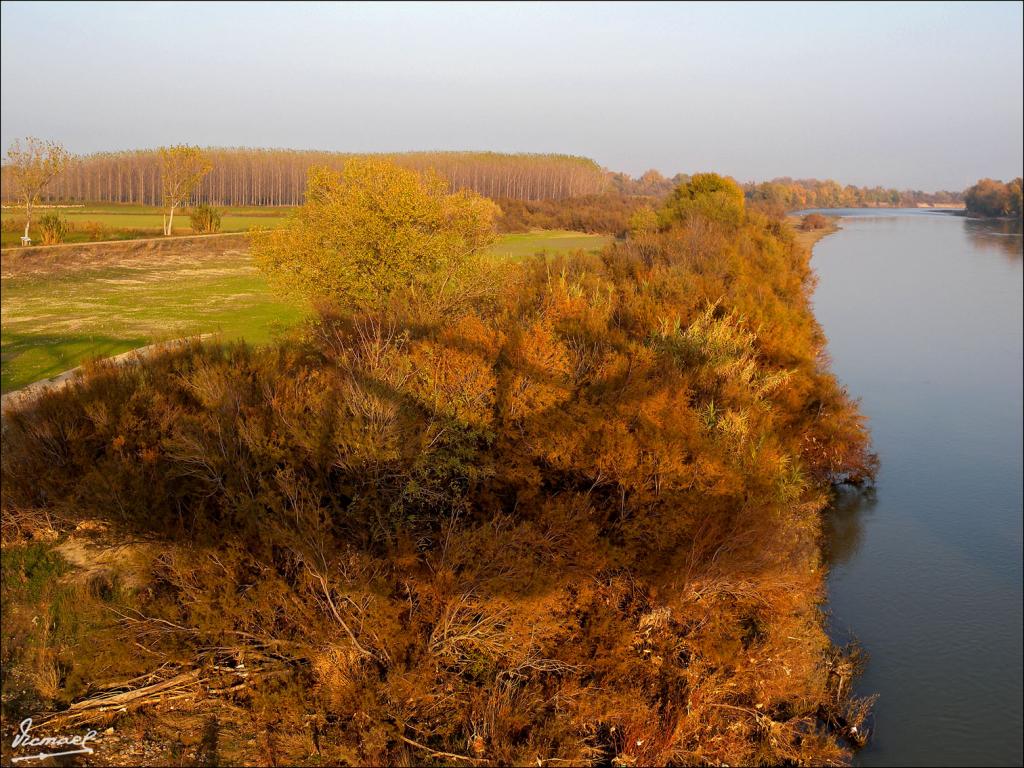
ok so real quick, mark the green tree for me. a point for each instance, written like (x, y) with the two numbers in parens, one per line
(709, 195)
(375, 229)
(643, 221)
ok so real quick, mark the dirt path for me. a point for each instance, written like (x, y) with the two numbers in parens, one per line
(160, 239)
(25, 395)
(39, 260)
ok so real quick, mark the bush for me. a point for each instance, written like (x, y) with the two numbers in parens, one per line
(708, 195)
(604, 490)
(94, 230)
(12, 224)
(644, 221)
(52, 229)
(813, 221)
(607, 213)
(205, 219)
(375, 231)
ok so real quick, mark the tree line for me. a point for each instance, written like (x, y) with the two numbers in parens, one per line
(786, 194)
(270, 177)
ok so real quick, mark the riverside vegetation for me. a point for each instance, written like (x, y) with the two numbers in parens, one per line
(549, 511)
(994, 199)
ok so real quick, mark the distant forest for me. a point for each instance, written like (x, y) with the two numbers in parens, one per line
(787, 194)
(270, 177)
(796, 194)
(277, 177)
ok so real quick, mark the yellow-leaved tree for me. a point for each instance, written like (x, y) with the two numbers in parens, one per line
(375, 230)
(182, 168)
(32, 166)
(644, 221)
(717, 198)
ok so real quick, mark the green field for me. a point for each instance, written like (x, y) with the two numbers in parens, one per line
(517, 246)
(125, 222)
(53, 323)
(55, 319)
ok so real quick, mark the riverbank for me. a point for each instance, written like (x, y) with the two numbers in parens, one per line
(809, 237)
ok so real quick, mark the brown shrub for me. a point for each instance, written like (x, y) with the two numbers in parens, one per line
(95, 230)
(578, 522)
(813, 221)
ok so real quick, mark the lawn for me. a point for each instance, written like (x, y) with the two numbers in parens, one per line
(53, 323)
(517, 246)
(56, 318)
(125, 222)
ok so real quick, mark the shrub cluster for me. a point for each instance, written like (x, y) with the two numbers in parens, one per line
(205, 219)
(94, 230)
(52, 228)
(576, 521)
(813, 221)
(994, 199)
(12, 224)
(606, 213)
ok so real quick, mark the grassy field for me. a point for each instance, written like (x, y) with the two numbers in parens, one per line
(126, 222)
(56, 315)
(517, 246)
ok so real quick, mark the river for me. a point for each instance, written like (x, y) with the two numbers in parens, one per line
(923, 313)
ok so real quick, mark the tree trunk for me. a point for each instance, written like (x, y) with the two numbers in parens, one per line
(28, 216)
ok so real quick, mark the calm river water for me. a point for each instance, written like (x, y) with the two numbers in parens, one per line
(924, 320)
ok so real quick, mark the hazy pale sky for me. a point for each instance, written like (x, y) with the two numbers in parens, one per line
(922, 95)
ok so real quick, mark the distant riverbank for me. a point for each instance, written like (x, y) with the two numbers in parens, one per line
(808, 237)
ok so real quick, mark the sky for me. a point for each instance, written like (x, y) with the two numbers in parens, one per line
(922, 95)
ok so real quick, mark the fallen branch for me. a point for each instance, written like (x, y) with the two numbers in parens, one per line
(191, 683)
(87, 709)
(438, 753)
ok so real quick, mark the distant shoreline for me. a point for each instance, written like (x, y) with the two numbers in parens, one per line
(982, 217)
(808, 238)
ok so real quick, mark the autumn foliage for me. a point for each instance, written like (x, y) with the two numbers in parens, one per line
(607, 213)
(277, 177)
(574, 521)
(786, 194)
(813, 221)
(708, 197)
(993, 199)
(204, 219)
(374, 233)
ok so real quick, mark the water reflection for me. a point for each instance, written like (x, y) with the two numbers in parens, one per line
(1001, 235)
(844, 520)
